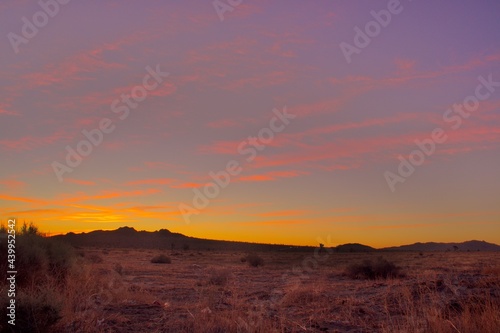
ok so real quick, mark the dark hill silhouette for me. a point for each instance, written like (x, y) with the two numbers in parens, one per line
(473, 245)
(354, 247)
(126, 237)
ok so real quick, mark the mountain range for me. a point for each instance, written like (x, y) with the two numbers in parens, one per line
(126, 237)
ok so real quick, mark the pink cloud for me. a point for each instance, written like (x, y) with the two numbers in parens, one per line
(222, 123)
(284, 139)
(347, 154)
(188, 185)
(78, 66)
(271, 176)
(4, 111)
(30, 142)
(12, 184)
(260, 81)
(405, 65)
(157, 181)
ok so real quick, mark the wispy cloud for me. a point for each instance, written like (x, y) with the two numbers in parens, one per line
(12, 184)
(154, 181)
(271, 176)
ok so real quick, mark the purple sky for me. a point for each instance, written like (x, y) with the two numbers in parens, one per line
(323, 174)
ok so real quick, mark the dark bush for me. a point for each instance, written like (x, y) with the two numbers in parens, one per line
(43, 265)
(39, 258)
(379, 269)
(254, 260)
(219, 277)
(36, 311)
(161, 259)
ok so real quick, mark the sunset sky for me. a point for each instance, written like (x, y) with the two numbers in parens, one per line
(352, 116)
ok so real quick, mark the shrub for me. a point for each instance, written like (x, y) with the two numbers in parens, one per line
(40, 258)
(61, 258)
(254, 260)
(161, 259)
(381, 268)
(37, 310)
(44, 266)
(29, 229)
(219, 277)
(31, 259)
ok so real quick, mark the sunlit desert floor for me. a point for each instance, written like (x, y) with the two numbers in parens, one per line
(293, 292)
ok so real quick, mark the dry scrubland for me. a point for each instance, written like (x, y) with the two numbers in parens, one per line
(121, 290)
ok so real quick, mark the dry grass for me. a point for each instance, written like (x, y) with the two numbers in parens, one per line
(216, 292)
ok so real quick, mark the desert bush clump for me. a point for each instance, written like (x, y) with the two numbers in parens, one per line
(44, 265)
(161, 259)
(40, 258)
(219, 277)
(39, 311)
(378, 269)
(254, 260)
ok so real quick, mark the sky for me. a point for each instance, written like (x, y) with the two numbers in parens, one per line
(290, 122)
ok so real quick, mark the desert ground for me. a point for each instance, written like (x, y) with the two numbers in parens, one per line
(121, 290)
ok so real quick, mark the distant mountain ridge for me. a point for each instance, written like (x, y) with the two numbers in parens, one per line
(473, 245)
(354, 247)
(127, 237)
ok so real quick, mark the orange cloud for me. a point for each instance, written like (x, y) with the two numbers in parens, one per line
(280, 213)
(275, 222)
(22, 199)
(36, 212)
(144, 208)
